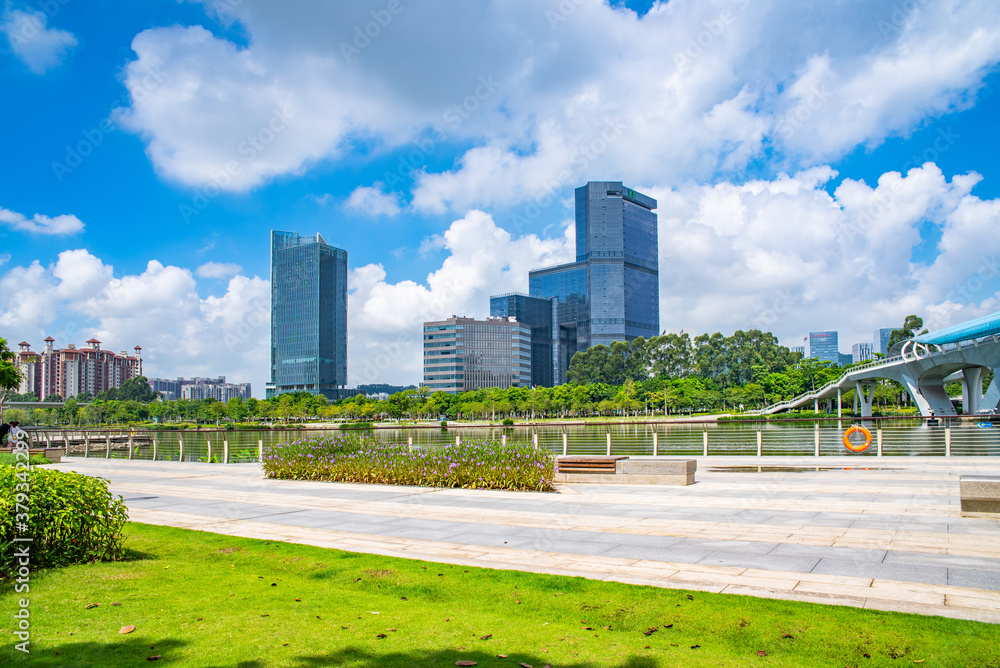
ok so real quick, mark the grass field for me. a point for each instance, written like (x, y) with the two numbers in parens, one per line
(202, 599)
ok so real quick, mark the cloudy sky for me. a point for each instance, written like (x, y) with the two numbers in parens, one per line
(817, 165)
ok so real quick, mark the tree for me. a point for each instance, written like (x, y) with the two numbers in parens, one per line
(910, 325)
(136, 389)
(10, 373)
(53, 398)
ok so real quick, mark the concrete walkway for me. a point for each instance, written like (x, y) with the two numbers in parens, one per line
(888, 537)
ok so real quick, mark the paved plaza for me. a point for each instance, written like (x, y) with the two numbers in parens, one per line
(889, 537)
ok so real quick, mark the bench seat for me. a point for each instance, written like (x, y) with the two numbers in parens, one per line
(980, 495)
(622, 469)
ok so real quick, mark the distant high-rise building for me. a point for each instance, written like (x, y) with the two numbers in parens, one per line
(861, 352)
(308, 316)
(824, 347)
(881, 340)
(611, 293)
(72, 371)
(199, 388)
(843, 359)
(462, 354)
(536, 312)
(798, 349)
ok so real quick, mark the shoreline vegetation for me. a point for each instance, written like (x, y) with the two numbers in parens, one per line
(474, 464)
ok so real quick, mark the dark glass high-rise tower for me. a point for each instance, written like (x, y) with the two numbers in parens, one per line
(535, 312)
(611, 293)
(308, 315)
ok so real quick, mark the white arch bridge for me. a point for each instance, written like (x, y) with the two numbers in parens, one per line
(923, 365)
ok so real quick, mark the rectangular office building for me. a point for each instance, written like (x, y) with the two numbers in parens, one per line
(611, 293)
(881, 340)
(536, 313)
(462, 354)
(824, 347)
(308, 315)
(861, 352)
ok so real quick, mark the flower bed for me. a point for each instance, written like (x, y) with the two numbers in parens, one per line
(352, 458)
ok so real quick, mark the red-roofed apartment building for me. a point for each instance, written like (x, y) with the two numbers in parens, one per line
(72, 371)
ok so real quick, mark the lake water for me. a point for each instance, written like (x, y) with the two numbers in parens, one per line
(899, 438)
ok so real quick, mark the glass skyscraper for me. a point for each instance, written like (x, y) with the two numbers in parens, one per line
(611, 293)
(536, 312)
(308, 315)
(824, 346)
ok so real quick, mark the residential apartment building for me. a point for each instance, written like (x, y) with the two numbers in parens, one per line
(462, 354)
(200, 388)
(71, 371)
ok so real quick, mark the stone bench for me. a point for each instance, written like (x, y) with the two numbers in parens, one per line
(980, 494)
(647, 471)
(54, 455)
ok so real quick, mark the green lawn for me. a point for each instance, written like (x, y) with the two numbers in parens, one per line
(202, 599)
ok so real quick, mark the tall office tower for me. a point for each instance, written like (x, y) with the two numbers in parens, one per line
(611, 293)
(462, 354)
(824, 346)
(308, 315)
(881, 340)
(536, 312)
(861, 352)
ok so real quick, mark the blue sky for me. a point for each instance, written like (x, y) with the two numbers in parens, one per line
(817, 167)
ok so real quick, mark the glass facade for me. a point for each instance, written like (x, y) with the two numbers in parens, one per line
(308, 315)
(462, 354)
(611, 293)
(824, 347)
(536, 312)
(881, 339)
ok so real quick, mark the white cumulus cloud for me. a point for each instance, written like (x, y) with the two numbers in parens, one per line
(41, 224)
(37, 46)
(374, 201)
(218, 270)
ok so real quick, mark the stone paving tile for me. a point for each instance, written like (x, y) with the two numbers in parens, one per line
(667, 553)
(742, 546)
(891, 571)
(848, 553)
(977, 579)
(943, 560)
(761, 561)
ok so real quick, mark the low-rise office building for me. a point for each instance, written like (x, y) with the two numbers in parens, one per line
(462, 354)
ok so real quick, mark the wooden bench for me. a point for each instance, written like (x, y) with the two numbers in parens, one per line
(582, 464)
(622, 469)
(980, 495)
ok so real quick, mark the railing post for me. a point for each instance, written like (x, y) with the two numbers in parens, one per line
(458, 440)
(565, 442)
(225, 450)
(107, 446)
(704, 442)
(409, 441)
(534, 439)
(180, 444)
(817, 440)
(130, 445)
(208, 458)
(760, 440)
(656, 444)
(609, 444)
(86, 445)
(154, 447)
(503, 439)
(878, 438)
(260, 450)
(947, 441)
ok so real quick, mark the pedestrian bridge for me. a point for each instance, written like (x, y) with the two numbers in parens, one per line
(923, 365)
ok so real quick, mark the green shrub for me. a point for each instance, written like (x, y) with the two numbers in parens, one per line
(444, 424)
(10, 459)
(71, 518)
(507, 422)
(364, 426)
(473, 464)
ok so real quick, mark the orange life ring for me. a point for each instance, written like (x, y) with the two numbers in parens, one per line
(857, 448)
